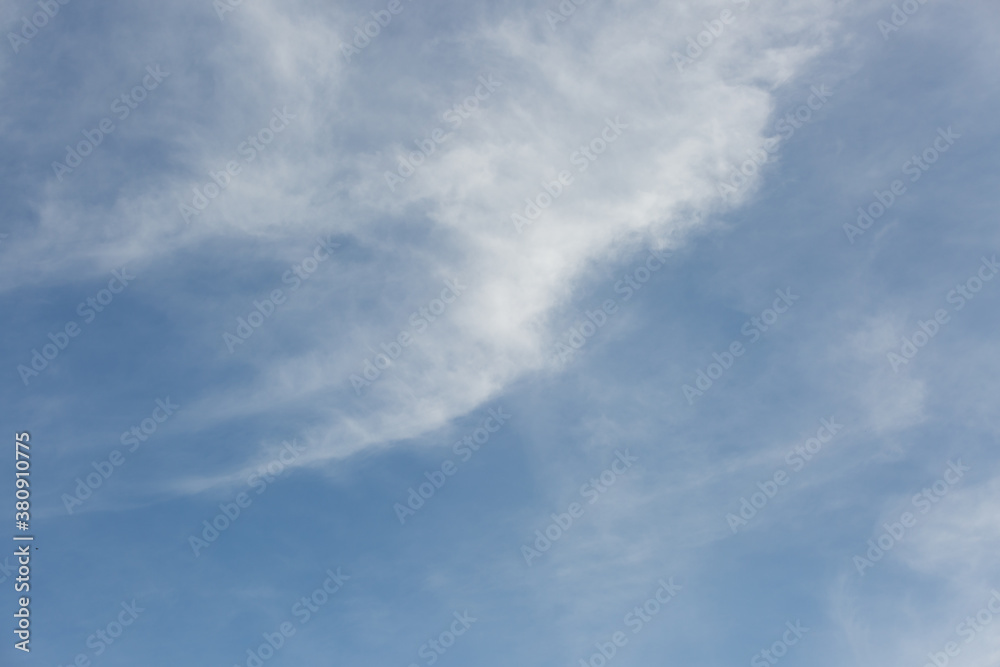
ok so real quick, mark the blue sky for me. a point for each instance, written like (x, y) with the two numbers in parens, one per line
(500, 342)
